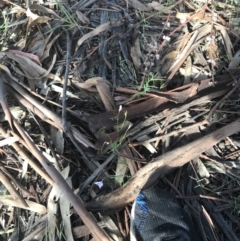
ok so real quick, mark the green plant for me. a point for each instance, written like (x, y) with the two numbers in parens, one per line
(57, 232)
(115, 177)
(4, 25)
(114, 146)
(5, 192)
(119, 125)
(7, 231)
(122, 65)
(60, 233)
(232, 2)
(144, 25)
(150, 83)
(201, 185)
(68, 19)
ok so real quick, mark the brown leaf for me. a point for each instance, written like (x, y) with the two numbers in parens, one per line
(101, 28)
(35, 18)
(81, 231)
(31, 69)
(156, 5)
(103, 88)
(138, 5)
(227, 40)
(42, 9)
(33, 57)
(48, 47)
(96, 31)
(136, 54)
(82, 17)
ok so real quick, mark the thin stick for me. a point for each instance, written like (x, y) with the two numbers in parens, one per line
(64, 91)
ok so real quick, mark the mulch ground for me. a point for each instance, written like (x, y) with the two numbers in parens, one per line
(100, 99)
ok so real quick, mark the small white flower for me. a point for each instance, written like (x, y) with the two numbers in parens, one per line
(215, 17)
(212, 61)
(99, 184)
(183, 20)
(13, 35)
(120, 108)
(166, 38)
(205, 72)
(208, 38)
